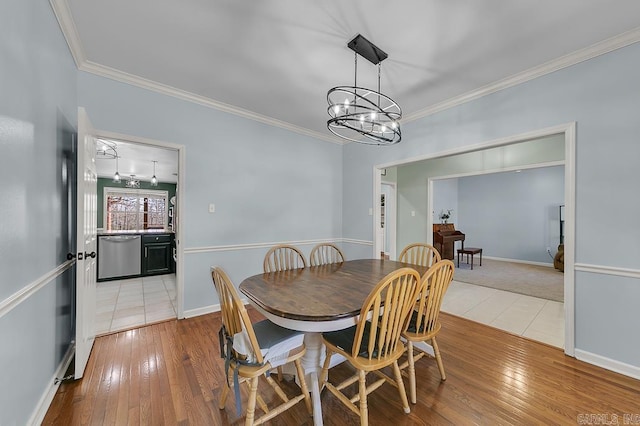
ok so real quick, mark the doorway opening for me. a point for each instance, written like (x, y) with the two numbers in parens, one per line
(147, 198)
(421, 214)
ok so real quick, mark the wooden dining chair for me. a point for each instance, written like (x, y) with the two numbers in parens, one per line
(325, 253)
(424, 324)
(283, 258)
(374, 342)
(252, 350)
(419, 254)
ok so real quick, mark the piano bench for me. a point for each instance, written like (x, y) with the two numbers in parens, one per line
(470, 251)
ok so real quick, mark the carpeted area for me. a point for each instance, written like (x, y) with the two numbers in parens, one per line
(532, 280)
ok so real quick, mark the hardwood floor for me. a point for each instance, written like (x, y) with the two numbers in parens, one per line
(172, 373)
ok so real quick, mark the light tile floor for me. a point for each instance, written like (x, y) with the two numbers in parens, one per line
(124, 304)
(527, 316)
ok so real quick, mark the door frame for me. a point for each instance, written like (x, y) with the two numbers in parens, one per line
(180, 190)
(569, 132)
(391, 206)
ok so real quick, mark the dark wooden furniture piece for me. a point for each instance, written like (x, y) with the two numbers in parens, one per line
(157, 256)
(444, 237)
(317, 299)
(319, 293)
(469, 251)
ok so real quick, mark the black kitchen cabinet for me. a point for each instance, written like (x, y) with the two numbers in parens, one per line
(157, 256)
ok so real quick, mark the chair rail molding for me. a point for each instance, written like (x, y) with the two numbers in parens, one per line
(608, 270)
(250, 246)
(27, 291)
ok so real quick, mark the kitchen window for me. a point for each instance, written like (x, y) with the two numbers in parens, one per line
(134, 209)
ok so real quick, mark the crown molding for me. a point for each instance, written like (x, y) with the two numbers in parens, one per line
(62, 11)
(606, 46)
(65, 19)
(134, 80)
(63, 14)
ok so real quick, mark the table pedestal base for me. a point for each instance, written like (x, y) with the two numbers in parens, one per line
(312, 367)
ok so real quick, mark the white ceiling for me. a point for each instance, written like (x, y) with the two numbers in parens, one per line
(137, 159)
(274, 60)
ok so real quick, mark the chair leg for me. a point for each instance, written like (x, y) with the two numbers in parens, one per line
(403, 393)
(303, 385)
(251, 405)
(412, 372)
(280, 374)
(223, 397)
(436, 352)
(364, 411)
(324, 374)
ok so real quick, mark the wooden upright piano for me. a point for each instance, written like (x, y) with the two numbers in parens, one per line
(444, 238)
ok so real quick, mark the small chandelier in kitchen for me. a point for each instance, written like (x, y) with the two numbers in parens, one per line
(116, 175)
(132, 182)
(364, 115)
(154, 179)
(106, 149)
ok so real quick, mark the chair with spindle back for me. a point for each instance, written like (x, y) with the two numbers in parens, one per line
(252, 350)
(283, 257)
(325, 253)
(374, 342)
(424, 324)
(419, 254)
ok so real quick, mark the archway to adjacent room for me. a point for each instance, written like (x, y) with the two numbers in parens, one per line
(565, 135)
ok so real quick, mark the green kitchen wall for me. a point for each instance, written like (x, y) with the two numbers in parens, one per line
(103, 182)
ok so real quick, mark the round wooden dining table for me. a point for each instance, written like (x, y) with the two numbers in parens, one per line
(318, 299)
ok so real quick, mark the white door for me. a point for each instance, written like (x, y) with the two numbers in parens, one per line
(87, 218)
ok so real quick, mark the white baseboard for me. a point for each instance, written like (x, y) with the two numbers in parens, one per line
(45, 400)
(207, 309)
(608, 363)
(202, 311)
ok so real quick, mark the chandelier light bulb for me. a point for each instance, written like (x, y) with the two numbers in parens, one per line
(336, 109)
(383, 128)
(374, 116)
(394, 125)
(154, 179)
(116, 176)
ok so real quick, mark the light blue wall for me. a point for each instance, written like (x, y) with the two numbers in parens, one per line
(445, 197)
(601, 95)
(37, 121)
(269, 185)
(513, 215)
(413, 178)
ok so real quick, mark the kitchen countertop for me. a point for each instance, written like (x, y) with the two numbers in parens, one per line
(135, 232)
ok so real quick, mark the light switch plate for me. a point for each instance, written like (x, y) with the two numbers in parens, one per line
(212, 208)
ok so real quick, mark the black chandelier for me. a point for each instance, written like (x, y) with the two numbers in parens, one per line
(364, 115)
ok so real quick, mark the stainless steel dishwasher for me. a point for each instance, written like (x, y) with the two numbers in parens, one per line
(118, 256)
